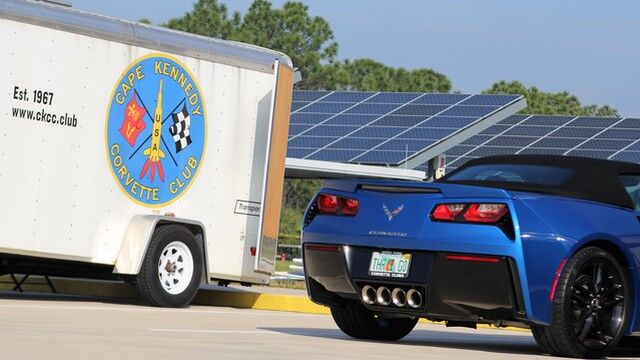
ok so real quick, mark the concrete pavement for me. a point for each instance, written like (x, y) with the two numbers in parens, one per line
(38, 326)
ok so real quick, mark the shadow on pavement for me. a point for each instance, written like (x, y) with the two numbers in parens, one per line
(629, 347)
(515, 344)
(495, 343)
(37, 296)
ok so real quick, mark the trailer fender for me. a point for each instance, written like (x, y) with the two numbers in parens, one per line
(138, 235)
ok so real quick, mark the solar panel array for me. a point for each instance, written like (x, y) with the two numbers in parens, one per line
(381, 128)
(595, 137)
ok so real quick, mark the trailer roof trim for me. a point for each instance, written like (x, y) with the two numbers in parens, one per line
(148, 36)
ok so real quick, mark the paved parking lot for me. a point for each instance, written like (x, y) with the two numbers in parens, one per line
(64, 327)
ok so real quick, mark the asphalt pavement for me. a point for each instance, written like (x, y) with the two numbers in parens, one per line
(37, 326)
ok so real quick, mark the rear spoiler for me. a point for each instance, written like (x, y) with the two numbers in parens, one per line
(415, 187)
(400, 189)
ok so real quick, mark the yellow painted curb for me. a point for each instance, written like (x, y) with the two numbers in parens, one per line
(251, 300)
(237, 298)
(508, 328)
(290, 303)
(480, 326)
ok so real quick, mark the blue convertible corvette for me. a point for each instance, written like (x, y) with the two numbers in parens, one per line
(546, 242)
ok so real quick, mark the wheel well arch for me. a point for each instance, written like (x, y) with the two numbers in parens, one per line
(610, 247)
(138, 235)
(196, 229)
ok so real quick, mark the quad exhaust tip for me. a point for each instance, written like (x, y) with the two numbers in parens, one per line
(383, 296)
(414, 298)
(369, 294)
(399, 297)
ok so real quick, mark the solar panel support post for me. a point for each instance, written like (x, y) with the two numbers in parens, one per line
(431, 170)
(436, 167)
(406, 156)
(297, 76)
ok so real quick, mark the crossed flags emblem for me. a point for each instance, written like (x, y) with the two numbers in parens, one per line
(180, 129)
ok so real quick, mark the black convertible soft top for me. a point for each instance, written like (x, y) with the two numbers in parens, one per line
(592, 179)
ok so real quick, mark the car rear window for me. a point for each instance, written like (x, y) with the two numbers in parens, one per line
(516, 173)
(631, 183)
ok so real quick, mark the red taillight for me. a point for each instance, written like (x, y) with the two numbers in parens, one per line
(481, 259)
(485, 213)
(447, 212)
(327, 204)
(336, 205)
(475, 213)
(325, 248)
(349, 206)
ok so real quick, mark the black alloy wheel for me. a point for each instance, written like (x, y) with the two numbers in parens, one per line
(591, 307)
(597, 303)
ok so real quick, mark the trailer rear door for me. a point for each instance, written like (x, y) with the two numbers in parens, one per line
(274, 174)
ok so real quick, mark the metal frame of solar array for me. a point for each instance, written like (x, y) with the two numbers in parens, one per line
(383, 128)
(596, 137)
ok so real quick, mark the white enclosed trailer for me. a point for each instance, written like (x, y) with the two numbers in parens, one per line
(139, 153)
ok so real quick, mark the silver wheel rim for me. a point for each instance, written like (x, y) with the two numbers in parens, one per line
(175, 267)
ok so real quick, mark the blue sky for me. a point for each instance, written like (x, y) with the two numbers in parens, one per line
(589, 48)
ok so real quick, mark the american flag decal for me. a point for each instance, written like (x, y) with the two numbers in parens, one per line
(180, 129)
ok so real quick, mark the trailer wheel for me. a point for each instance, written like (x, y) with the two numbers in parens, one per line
(172, 268)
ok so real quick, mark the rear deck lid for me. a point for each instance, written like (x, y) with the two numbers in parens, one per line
(403, 210)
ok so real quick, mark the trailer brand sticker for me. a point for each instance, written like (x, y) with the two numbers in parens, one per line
(156, 130)
(244, 207)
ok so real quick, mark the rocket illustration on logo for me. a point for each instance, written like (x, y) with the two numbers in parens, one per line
(153, 152)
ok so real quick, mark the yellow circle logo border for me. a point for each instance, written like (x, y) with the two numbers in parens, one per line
(106, 130)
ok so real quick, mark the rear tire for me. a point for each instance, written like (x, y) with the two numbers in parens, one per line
(543, 337)
(358, 322)
(172, 268)
(591, 308)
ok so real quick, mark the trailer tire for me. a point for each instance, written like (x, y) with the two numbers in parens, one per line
(171, 272)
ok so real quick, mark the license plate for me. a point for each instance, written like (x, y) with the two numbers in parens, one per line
(390, 264)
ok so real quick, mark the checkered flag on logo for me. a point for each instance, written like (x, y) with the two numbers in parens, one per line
(180, 129)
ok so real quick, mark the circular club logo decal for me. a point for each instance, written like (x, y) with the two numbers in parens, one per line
(156, 130)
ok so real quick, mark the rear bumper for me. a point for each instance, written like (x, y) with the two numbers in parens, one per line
(466, 289)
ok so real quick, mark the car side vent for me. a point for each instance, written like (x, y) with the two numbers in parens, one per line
(400, 189)
(506, 225)
(311, 213)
